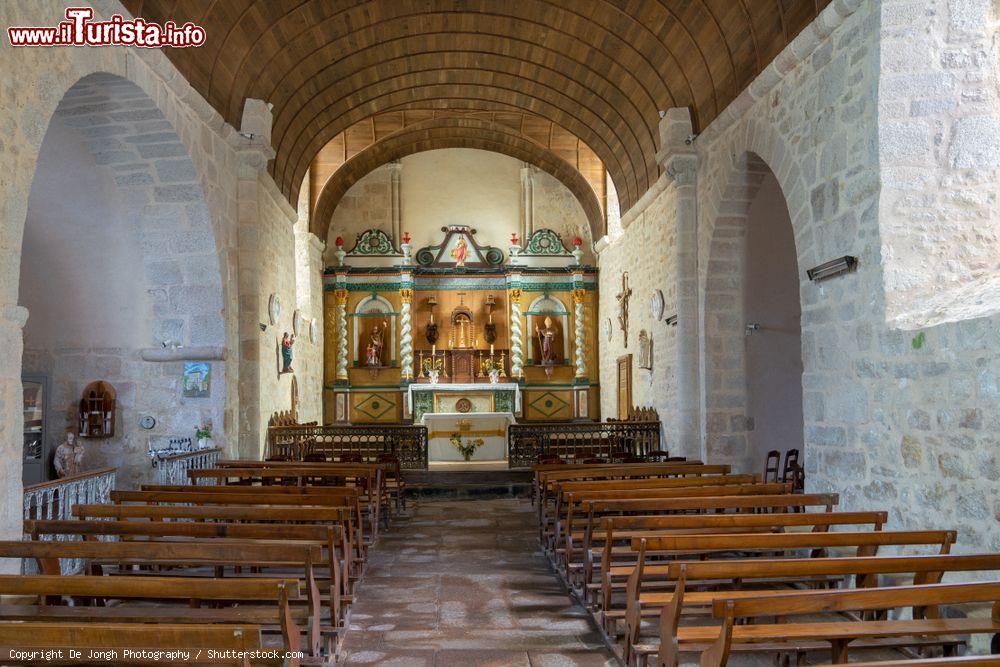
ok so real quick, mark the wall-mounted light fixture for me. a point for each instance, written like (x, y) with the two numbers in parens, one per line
(751, 328)
(671, 321)
(832, 268)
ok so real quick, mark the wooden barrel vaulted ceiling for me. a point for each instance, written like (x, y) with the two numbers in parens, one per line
(600, 69)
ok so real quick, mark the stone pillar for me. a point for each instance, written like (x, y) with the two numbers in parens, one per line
(12, 319)
(527, 204)
(516, 335)
(341, 296)
(680, 164)
(579, 333)
(395, 174)
(405, 335)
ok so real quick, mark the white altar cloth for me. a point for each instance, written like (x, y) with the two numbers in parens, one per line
(465, 387)
(490, 426)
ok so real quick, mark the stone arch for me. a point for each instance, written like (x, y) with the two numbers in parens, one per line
(153, 267)
(734, 183)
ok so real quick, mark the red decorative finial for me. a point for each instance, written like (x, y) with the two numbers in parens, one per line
(406, 237)
(339, 241)
(513, 238)
(577, 242)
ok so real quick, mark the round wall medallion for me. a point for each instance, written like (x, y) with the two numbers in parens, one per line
(147, 422)
(463, 405)
(313, 330)
(609, 329)
(274, 308)
(656, 303)
(297, 321)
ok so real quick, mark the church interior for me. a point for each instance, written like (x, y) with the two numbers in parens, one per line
(479, 332)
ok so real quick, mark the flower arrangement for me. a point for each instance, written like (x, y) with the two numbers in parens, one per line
(466, 449)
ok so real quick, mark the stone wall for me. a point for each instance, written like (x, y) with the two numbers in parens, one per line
(647, 251)
(939, 154)
(894, 419)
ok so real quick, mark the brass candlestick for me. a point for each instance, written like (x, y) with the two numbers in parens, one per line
(503, 373)
(421, 375)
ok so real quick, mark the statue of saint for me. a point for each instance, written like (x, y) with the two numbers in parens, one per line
(546, 341)
(287, 341)
(460, 252)
(376, 341)
(69, 456)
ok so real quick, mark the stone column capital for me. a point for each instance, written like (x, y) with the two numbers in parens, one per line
(406, 295)
(341, 296)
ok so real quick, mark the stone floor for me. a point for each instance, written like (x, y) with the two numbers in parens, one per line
(463, 582)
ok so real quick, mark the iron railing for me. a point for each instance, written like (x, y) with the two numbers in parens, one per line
(54, 501)
(173, 469)
(408, 443)
(606, 440)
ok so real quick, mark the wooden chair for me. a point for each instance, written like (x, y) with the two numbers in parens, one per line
(394, 479)
(771, 463)
(657, 455)
(791, 460)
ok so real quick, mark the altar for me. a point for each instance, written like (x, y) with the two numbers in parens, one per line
(463, 398)
(490, 427)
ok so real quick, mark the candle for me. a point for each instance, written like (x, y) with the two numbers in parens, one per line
(434, 349)
(491, 350)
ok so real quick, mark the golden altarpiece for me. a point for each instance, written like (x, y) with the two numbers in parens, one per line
(460, 328)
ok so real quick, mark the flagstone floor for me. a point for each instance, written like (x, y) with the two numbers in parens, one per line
(463, 582)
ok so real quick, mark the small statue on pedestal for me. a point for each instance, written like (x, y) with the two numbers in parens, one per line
(546, 341)
(376, 341)
(69, 456)
(287, 341)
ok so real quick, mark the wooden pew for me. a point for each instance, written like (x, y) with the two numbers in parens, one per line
(606, 558)
(865, 544)
(326, 536)
(260, 601)
(963, 661)
(716, 644)
(97, 636)
(193, 557)
(573, 503)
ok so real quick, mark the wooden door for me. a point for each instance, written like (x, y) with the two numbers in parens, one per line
(624, 386)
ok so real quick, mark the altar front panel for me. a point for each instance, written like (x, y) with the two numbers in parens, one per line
(490, 426)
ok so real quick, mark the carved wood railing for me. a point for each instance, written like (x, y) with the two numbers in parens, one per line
(173, 469)
(408, 443)
(611, 441)
(54, 501)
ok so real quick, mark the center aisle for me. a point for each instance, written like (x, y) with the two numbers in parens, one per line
(463, 582)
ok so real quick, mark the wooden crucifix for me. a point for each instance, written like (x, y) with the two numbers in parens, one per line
(623, 298)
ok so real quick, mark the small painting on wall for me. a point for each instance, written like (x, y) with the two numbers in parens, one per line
(197, 379)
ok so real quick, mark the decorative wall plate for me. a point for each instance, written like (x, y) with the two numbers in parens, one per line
(609, 329)
(274, 308)
(313, 330)
(297, 322)
(656, 303)
(147, 422)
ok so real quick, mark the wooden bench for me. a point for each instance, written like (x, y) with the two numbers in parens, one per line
(605, 558)
(28, 636)
(927, 624)
(207, 558)
(325, 536)
(638, 604)
(262, 602)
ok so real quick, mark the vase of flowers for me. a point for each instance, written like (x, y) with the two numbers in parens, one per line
(466, 449)
(492, 369)
(203, 434)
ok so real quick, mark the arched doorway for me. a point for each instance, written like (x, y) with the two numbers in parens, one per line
(118, 262)
(753, 323)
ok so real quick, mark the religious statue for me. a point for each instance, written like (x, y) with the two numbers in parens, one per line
(69, 456)
(623, 298)
(287, 341)
(376, 341)
(460, 252)
(546, 343)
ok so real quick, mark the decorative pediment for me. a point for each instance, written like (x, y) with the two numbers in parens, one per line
(459, 249)
(373, 243)
(545, 242)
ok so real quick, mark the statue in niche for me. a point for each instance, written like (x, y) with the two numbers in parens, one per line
(461, 251)
(69, 456)
(546, 344)
(287, 341)
(376, 341)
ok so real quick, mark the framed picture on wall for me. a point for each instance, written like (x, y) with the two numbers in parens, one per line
(197, 379)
